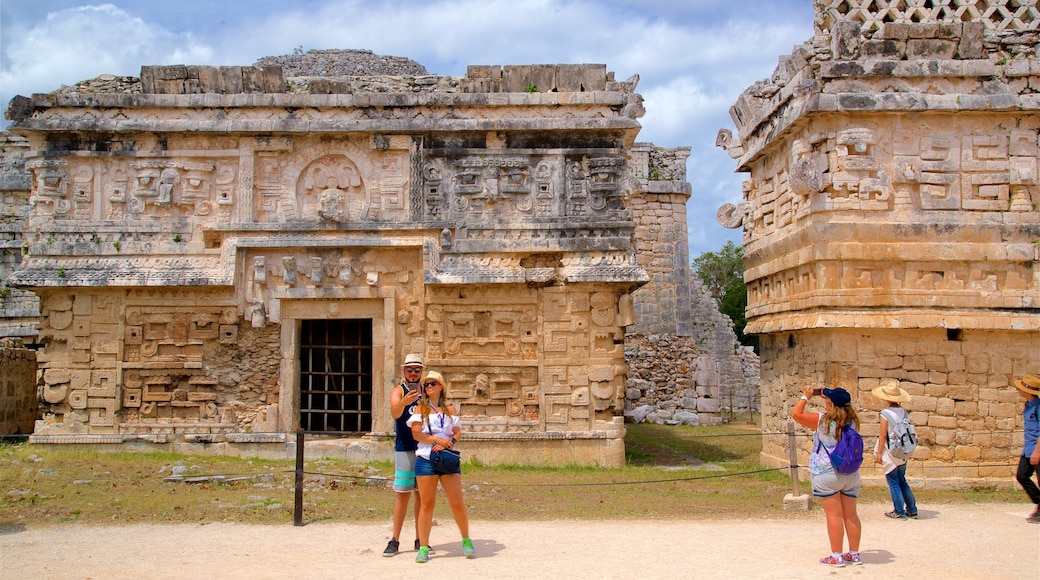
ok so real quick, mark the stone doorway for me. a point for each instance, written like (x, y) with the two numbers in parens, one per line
(335, 375)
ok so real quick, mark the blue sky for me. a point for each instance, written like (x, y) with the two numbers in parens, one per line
(693, 57)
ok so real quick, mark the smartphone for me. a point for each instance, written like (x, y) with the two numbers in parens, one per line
(817, 392)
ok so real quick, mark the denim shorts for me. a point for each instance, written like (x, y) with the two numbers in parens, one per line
(424, 467)
(404, 471)
(829, 483)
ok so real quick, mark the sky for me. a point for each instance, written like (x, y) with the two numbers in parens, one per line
(693, 57)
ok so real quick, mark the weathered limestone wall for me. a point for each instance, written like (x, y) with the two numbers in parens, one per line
(891, 217)
(18, 406)
(18, 308)
(967, 416)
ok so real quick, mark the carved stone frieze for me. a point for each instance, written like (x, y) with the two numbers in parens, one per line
(891, 216)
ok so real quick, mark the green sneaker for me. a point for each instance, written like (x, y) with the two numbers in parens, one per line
(424, 555)
(467, 548)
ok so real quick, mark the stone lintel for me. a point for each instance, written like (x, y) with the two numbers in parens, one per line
(983, 319)
(789, 258)
(575, 244)
(666, 187)
(53, 271)
(324, 101)
(903, 68)
(630, 276)
(769, 126)
(262, 124)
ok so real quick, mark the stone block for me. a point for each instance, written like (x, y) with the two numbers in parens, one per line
(529, 78)
(942, 422)
(920, 30)
(797, 503)
(970, 45)
(894, 31)
(966, 409)
(892, 50)
(977, 363)
(581, 78)
(930, 49)
(706, 405)
(944, 437)
(945, 407)
(967, 453)
(845, 40)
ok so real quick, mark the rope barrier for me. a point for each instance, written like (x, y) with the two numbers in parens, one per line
(572, 484)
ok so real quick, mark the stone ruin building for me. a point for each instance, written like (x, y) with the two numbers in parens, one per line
(892, 221)
(220, 256)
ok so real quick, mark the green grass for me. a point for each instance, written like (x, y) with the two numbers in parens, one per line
(673, 472)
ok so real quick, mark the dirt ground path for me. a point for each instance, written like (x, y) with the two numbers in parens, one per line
(948, 542)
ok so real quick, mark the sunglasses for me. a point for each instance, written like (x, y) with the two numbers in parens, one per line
(430, 383)
(418, 370)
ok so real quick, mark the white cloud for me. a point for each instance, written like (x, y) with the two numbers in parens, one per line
(81, 43)
(693, 57)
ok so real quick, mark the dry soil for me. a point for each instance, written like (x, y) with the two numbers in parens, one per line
(948, 542)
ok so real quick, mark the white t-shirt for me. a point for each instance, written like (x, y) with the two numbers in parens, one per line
(440, 425)
(893, 415)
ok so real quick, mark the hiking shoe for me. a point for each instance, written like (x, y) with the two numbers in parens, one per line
(895, 516)
(912, 516)
(851, 559)
(1035, 518)
(424, 555)
(391, 548)
(833, 561)
(417, 546)
(467, 548)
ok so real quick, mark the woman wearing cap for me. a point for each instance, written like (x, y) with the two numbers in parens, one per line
(895, 467)
(837, 491)
(1029, 389)
(436, 427)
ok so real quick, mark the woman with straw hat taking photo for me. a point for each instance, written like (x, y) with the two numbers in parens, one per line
(1029, 388)
(890, 455)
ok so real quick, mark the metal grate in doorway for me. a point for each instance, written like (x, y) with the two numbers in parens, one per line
(336, 375)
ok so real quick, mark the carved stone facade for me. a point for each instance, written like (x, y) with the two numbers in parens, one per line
(189, 227)
(19, 309)
(891, 220)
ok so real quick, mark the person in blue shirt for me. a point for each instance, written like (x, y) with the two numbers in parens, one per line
(1029, 389)
(404, 400)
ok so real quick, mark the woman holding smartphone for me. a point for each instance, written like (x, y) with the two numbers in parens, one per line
(837, 492)
(436, 427)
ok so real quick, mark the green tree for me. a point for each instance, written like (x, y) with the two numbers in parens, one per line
(723, 273)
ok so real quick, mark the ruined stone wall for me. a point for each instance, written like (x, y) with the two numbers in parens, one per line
(891, 217)
(18, 406)
(696, 379)
(684, 362)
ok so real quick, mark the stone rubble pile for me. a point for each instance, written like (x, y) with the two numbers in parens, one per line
(342, 63)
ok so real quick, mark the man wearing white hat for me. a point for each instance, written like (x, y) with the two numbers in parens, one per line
(403, 403)
(1029, 388)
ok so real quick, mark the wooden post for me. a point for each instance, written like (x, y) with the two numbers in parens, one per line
(298, 506)
(792, 456)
